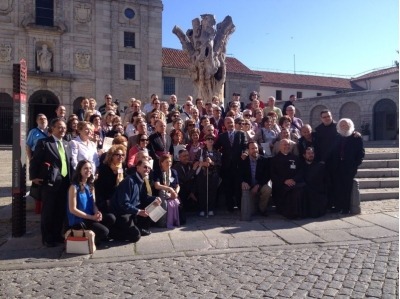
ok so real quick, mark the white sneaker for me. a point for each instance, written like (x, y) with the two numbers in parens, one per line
(211, 213)
(202, 214)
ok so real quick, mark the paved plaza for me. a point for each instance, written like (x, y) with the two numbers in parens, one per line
(218, 257)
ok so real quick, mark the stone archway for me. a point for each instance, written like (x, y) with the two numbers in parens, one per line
(6, 113)
(351, 110)
(315, 115)
(42, 101)
(385, 120)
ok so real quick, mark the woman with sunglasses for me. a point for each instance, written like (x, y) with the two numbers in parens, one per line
(142, 141)
(111, 173)
(208, 176)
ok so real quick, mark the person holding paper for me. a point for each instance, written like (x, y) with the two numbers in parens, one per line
(266, 137)
(129, 202)
(166, 181)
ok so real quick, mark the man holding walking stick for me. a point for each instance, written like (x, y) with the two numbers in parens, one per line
(208, 176)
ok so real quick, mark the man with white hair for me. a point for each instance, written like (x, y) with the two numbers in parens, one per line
(348, 153)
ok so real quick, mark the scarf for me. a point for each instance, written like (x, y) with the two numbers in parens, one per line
(120, 174)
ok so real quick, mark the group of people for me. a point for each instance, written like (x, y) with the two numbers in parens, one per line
(104, 167)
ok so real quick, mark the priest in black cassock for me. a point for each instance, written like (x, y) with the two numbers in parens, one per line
(315, 193)
(287, 182)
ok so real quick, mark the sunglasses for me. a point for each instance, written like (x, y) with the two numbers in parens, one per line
(210, 139)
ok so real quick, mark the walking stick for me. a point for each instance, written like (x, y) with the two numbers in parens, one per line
(207, 193)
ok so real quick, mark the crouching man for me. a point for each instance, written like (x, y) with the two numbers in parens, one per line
(128, 204)
(255, 175)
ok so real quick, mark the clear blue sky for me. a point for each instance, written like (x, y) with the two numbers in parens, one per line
(339, 37)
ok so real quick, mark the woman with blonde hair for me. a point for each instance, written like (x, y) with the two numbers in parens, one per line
(111, 173)
(83, 148)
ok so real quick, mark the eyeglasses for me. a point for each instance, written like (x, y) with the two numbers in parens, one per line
(119, 155)
(144, 139)
(190, 124)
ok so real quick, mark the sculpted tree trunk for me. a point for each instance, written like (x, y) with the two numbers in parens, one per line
(206, 46)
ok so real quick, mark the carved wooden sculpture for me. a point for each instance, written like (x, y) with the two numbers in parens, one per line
(206, 46)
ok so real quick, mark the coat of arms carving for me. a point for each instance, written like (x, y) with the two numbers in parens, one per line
(6, 6)
(82, 59)
(83, 13)
(5, 52)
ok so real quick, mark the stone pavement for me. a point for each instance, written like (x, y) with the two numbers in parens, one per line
(218, 257)
(224, 232)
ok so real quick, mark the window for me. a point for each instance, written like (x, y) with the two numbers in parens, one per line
(169, 85)
(299, 95)
(45, 12)
(129, 72)
(319, 94)
(129, 13)
(129, 39)
(278, 95)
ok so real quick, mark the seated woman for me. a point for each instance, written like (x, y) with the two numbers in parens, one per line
(166, 182)
(111, 173)
(266, 137)
(81, 203)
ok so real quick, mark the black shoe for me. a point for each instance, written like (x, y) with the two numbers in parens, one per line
(145, 232)
(60, 240)
(49, 244)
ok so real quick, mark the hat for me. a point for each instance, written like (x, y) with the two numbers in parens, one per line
(236, 94)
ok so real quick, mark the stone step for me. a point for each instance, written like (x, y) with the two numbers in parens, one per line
(390, 163)
(381, 156)
(379, 194)
(371, 183)
(378, 173)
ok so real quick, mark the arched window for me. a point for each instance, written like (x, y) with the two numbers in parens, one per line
(45, 12)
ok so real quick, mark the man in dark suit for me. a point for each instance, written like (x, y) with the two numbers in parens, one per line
(159, 142)
(254, 176)
(232, 144)
(51, 168)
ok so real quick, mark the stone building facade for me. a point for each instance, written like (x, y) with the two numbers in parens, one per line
(93, 47)
(88, 48)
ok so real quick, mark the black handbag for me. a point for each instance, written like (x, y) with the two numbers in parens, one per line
(34, 192)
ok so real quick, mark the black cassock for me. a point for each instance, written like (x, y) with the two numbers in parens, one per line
(315, 193)
(289, 200)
